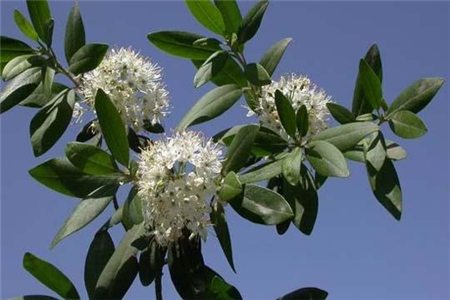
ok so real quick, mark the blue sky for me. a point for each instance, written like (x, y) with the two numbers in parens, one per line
(357, 250)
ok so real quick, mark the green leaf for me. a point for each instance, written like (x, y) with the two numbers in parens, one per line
(33, 297)
(407, 125)
(90, 159)
(113, 128)
(24, 25)
(393, 151)
(309, 293)
(19, 88)
(50, 276)
(286, 113)
(370, 84)
(75, 36)
(12, 48)
(272, 57)
(231, 187)
(239, 150)
(220, 225)
(121, 269)
(231, 15)
(376, 151)
(180, 43)
(373, 58)
(211, 105)
(262, 206)
(386, 187)
(60, 175)
(100, 252)
(85, 212)
(257, 75)
(207, 14)
(327, 159)
(366, 117)
(302, 120)
(49, 28)
(417, 96)
(303, 200)
(40, 96)
(346, 136)
(291, 166)
(39, 11)
(262, 172)
(87, 58)
(252, 21)
(20, 64)
(230, 73)
(219, 289)
(147, 272)
(340, 113)
(210, 68)
(132, 209)
(50, 123)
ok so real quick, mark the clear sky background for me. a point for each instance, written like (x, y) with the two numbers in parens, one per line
(357, 250)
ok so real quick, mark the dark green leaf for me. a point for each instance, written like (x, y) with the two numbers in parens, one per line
(373, 58)
(370, 84)
(252, 21)
(407, 125)
(302, 121)
(417, 96)
(309, 293)
(49, 28)
(132, 209)
(50, 123)
(19, 88)
(340, 113)
(386, 187)
(262, 172)
(376, 151)
(219, 222)
(239, 150)
(121, 269)
(291, 166)
(211, 105)
(90, 159)
(87, 58)
(60, 175)
(40, 96)
(20, 64)
(113, 128)
(346, 136)
(261, 205)
(180, 43)
(286, 113)
(153, 127)
(257, 75)
(272, 57)
(75, 36)
(39, 11)
(100, 252)
(33, 297)
(230, 73)
(327, 159)
(12, 48)
(207, 14)
(50, 276)
(85, 212)
(219, 289)
(231, 15)
(25, 26)
(210, 68)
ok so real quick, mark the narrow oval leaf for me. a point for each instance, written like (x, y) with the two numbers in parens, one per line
(90, 159)
(370, 84)
(373, 58)
(261, 205)
(257, 75)
(375, 153)
(50, 123)
(407, 125)
(113, 128)
(99, 253)
(327, 159)
(207, 14)
(291, 166)
(33, 297)
(417, 96)
(239, 150)
(302, 120)
(132, 209)
(394, 151)
(340, 113)
(75, 35)
(210, 68)
(221, 290)
(262, 172)
(25, 26)
(286, 113)
(12, 48)
(220, 225)
(252, 21)
(230, 73)
(87, 58)
(346, 136)
(231, 15)
(211, 105)
(272, 57)
(50, 276)
(20, 64)
(182, 44)
(39, 11)
(309, 293)
(231, 187)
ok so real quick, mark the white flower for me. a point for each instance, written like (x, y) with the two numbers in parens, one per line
(176, 175)
(300, 91)
(133, 84)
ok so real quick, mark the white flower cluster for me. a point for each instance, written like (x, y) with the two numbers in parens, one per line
(133, 84)
(300, 91)
(176, 175)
